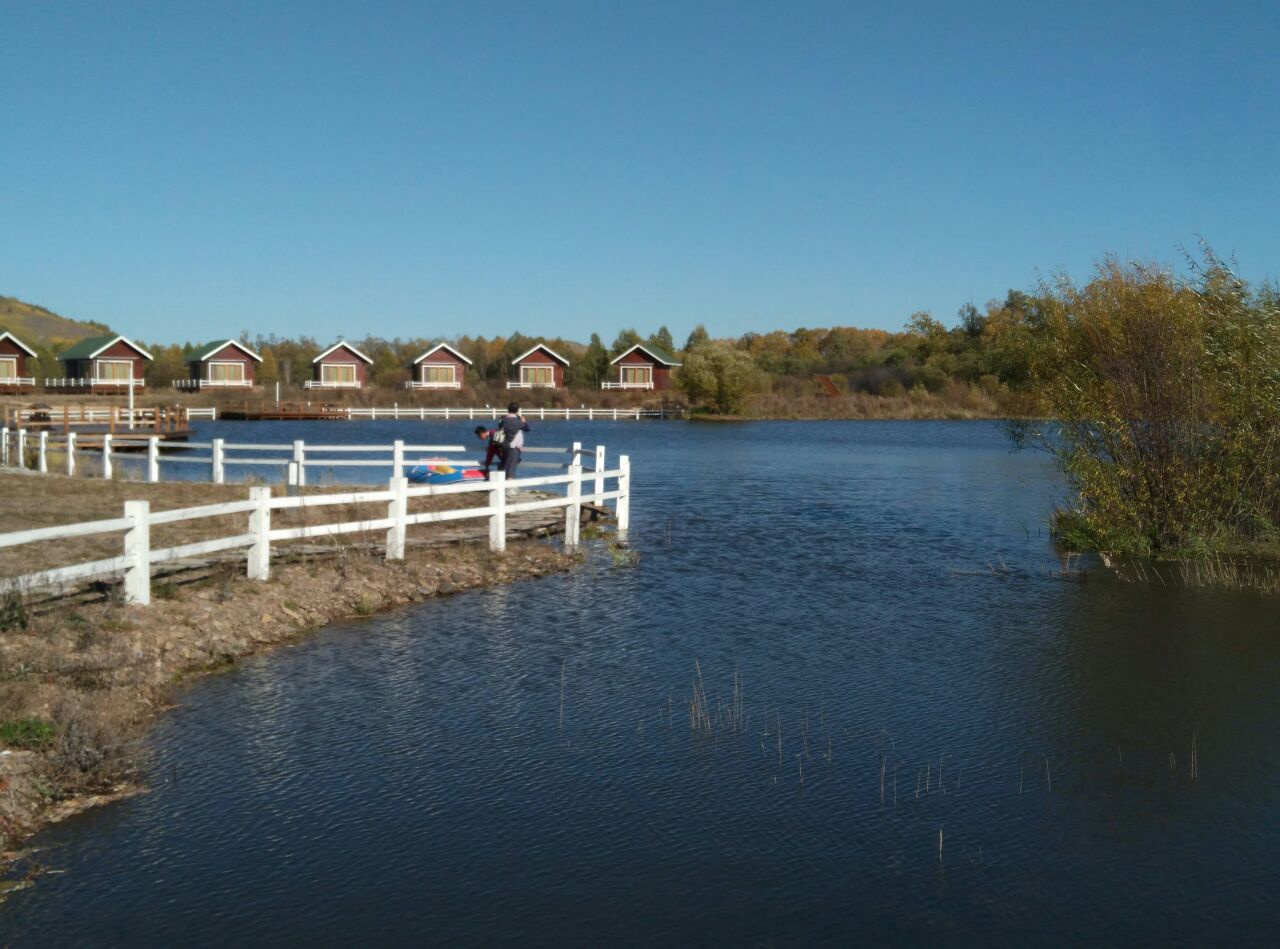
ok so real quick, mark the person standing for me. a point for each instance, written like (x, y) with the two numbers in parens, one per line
(513, 428)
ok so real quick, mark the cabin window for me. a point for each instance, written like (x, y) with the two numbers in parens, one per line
(114, 370)
(637, 375)
(8, 367)
(438, 374)
(537, 375)
(338, 373)
(226, 372)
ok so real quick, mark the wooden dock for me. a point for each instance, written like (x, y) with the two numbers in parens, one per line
(282, 411)
(172, 424)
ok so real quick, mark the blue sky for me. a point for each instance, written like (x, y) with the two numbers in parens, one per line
(187, 170)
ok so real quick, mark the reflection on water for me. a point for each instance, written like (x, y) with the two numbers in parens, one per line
(887, 595)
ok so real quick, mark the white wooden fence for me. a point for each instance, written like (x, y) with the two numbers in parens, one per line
(137, 557)
(290, 461)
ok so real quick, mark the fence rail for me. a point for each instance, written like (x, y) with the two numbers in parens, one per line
(42, 450)
(138, 556)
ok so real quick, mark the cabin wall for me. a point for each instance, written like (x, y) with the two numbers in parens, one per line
(661, 373)
(539, 358)
(346, 357)
(9, 348)
(228, 353)
(442, 358)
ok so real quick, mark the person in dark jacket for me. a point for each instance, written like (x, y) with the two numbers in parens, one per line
(492, 452)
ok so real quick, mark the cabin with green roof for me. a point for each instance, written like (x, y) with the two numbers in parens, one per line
(642, 367)
(106, 365)
(222, 364)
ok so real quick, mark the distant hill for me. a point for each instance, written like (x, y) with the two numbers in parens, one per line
(34, 324)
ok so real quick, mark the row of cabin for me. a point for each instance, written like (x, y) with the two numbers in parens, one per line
(110, 364)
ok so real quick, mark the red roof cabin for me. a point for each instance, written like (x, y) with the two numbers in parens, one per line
(14, 354)
(102, 365)
(341, 366)
(223, 364)
(440, 367)
(539, 368)
(642, 367)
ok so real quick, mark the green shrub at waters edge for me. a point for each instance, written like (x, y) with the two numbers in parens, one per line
(1165, 398)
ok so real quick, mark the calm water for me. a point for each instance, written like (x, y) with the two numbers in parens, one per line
(886, 589)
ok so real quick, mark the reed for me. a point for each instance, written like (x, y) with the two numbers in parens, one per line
(562, 668)
(1195, 759)
(940, 845)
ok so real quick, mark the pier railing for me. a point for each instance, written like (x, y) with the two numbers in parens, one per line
(138, 556)
(148, 457)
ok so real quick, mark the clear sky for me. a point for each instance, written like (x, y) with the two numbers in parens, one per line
(188, 170)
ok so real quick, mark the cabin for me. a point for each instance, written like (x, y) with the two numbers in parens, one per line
(223, 364)
(641, 367)
(539, 368)
(14, 370)
(341, 366)
(440, 367)
(105, 365)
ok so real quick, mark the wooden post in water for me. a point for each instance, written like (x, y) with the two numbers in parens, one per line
(623, 512)
(137, 553)
(573, 510)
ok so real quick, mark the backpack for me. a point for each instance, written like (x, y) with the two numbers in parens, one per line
(499, 437)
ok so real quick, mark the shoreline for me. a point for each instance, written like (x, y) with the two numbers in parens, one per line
(81, 682)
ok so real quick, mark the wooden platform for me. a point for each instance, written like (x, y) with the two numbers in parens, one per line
(284, 411)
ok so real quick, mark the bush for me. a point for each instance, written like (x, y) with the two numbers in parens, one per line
(1167, 400)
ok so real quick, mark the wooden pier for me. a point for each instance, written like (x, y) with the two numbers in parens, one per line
(172, 423)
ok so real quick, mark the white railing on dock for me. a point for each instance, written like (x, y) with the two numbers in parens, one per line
(543, 414)
(31, 450)
(135, 562)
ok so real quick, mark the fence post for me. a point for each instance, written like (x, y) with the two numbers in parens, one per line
(137, 553)
(624, 493)
(397, 511)
(71, 453)
(219, 472)
(573, 454)
(498, 519)
(599, 472)
(22, 448)
(106, 456)
(259, 565)
(299, 457)
(44, 452)
(397, 460)
(573, 510)
(153, 458)
(4, 446)
(292, 479)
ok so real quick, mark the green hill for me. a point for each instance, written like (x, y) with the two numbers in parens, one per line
(34, 324)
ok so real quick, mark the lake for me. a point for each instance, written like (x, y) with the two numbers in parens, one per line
(943, 734)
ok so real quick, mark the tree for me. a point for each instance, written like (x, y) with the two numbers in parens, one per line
(718, 376)
(662, 341)
(698, 337)
(626, 339)
(593, 366)
(971, 321)
(267, 373)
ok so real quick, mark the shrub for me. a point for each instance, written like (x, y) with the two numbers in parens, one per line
(1166, 395)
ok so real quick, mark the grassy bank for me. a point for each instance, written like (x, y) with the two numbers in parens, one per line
(81, 676)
